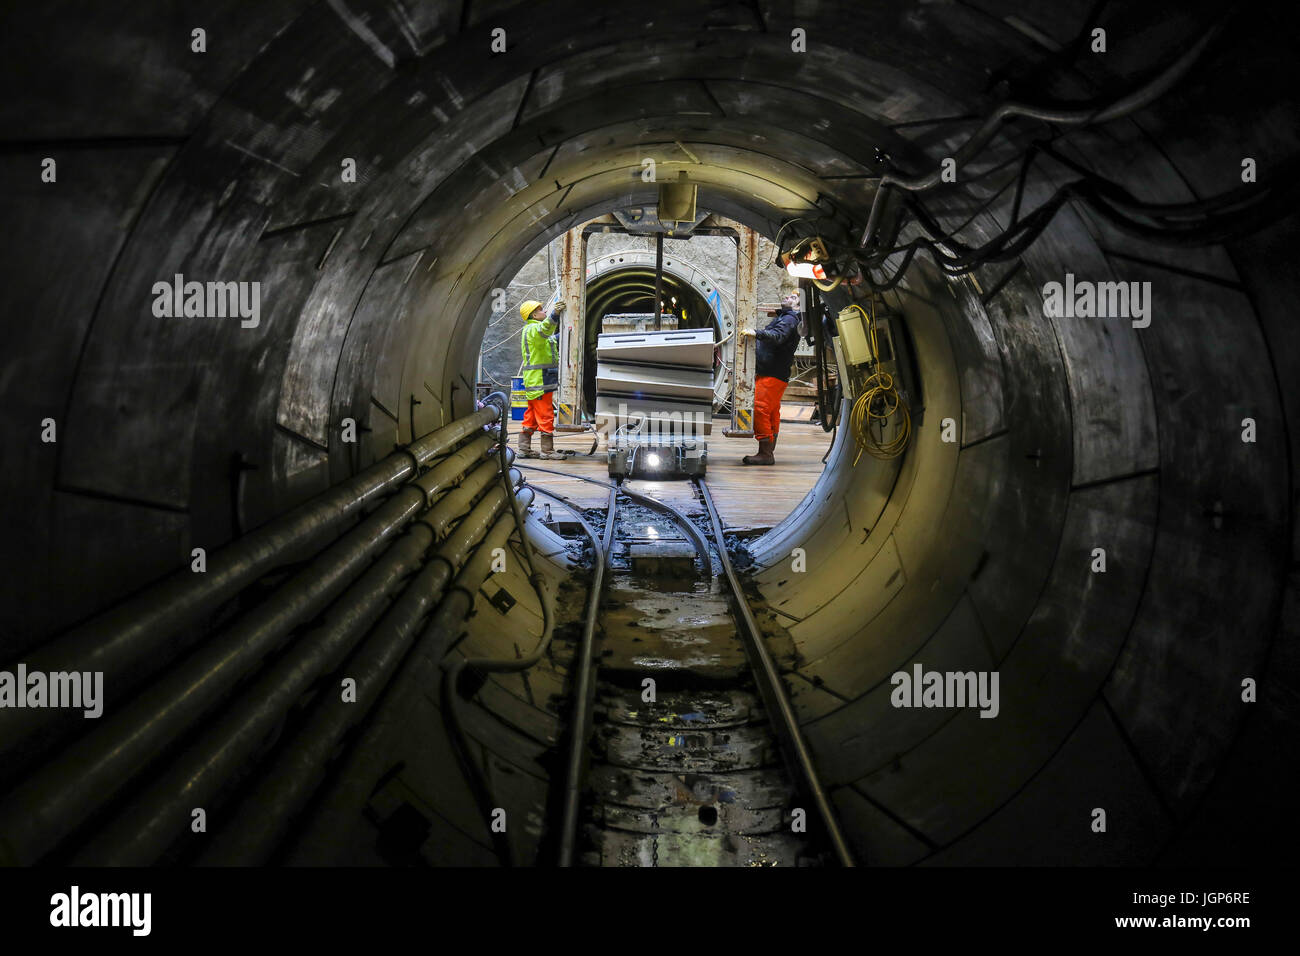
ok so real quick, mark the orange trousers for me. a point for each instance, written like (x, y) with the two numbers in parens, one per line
(540, 414)
(767, 406)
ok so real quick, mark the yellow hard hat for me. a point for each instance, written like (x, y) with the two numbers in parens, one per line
(527, 308)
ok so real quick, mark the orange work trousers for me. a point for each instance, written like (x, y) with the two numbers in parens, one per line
(540, 414)
(767, 406)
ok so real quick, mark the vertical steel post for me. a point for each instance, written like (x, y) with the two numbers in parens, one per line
(659, 278)
(573, 331)
(745, 350)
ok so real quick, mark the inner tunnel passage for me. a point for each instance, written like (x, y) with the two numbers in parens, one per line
(209, 510)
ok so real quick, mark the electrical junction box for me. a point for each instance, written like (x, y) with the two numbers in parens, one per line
(855, 363)
(855, 338)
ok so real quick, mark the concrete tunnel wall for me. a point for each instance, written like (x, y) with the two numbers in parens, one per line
(1120, 691)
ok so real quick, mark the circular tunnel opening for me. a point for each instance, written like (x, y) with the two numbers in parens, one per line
(620, 294)
(701, 271)
(1076, 495)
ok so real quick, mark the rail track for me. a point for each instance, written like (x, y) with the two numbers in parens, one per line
(683, 748)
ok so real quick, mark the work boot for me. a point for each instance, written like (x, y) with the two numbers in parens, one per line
(764, 456)
(526, 444)
(548, 449)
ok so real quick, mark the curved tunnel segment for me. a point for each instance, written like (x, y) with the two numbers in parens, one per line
(624, 282)
(1095, 508)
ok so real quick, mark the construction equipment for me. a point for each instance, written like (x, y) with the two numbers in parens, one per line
(654, 399)
(879, 419)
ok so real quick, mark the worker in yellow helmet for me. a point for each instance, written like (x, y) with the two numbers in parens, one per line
(539, 358)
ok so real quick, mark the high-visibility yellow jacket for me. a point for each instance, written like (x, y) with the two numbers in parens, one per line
(539, 355)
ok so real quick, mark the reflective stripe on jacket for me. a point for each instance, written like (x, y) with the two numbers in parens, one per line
(539, 355)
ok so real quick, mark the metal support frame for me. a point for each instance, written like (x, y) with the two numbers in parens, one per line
(745, 349)
(573, 331)
(659, 279)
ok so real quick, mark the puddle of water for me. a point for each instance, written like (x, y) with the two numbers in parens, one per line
(687, 663)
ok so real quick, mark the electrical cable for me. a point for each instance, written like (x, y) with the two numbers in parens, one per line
(877, 404)
(1061, 114)
(454, 670)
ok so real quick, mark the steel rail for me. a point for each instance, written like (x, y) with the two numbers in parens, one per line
(580, 726)
(774, 697)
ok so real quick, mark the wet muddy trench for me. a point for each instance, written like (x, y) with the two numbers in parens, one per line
(684, 769)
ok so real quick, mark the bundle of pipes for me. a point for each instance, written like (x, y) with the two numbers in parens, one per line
(455, 502)
(420, 676)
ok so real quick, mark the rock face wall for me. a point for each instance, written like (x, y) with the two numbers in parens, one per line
(714, 255)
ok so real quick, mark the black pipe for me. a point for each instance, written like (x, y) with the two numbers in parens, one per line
(580, 725)
(265, 815)
(144, 831)
(419, 675)
(44, 808)
(134, 640)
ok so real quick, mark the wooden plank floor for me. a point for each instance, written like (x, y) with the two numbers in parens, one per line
(747, 497)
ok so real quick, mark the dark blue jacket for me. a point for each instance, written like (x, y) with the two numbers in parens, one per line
(776, 344)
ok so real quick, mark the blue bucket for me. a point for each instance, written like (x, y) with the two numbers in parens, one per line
(518, 400)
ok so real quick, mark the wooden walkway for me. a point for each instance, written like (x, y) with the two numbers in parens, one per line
(747, 497)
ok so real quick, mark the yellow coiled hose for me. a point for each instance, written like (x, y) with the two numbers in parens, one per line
(878, 402)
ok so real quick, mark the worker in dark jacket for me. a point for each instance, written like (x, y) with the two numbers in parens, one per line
(776, 344)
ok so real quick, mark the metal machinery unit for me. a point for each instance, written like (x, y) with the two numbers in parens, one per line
(637, 322)
(854, 359)
(878, 381)
(654, 399)
(607, 275)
